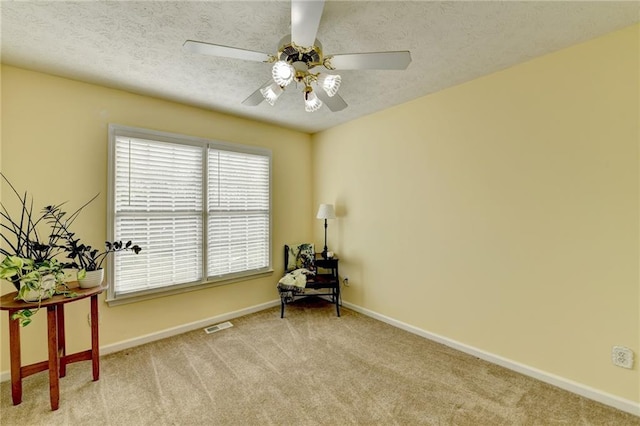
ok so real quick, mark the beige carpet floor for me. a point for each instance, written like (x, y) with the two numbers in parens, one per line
(310, 368)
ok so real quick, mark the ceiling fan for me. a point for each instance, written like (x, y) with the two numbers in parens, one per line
(298, 56)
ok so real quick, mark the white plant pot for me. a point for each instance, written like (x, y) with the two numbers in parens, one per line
(47, 284)
(92, 279)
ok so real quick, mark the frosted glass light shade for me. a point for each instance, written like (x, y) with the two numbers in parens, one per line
(271, 93)
(326, 212)
(311, 102)
(282, 73)
(330, 83)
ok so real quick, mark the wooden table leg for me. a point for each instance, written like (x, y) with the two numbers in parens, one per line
(54, 380)
(62, 346)
(95, 341)
(14, 355)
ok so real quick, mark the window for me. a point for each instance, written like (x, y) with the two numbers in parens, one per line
(200, 210)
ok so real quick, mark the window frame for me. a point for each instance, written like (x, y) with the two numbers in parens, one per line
(117, 130)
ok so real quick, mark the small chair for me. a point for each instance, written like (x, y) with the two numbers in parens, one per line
(302, 271)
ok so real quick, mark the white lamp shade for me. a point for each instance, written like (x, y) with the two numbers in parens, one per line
(311, 102)
(282, 73)
(271, 93)
(330, 83)
(326, 212)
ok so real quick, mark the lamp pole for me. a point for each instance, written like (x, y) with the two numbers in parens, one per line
(324, 252)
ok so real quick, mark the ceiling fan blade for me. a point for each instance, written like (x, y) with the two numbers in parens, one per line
(305, 19)
(224, 51)
(372, 61)
(335, 103)
(256, 97)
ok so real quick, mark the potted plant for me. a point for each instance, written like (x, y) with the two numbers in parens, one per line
(23, 234)
(89, 260)
(38, 281)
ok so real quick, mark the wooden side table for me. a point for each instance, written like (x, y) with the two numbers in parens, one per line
(58, 358)
(331, 279)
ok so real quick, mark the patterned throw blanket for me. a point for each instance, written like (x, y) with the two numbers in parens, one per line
(293, 283)
(300, 264)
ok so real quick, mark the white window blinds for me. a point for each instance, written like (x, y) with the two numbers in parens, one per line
(199, 210)
(238, 222)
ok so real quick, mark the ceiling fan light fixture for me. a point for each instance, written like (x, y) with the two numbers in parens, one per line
(271, 93)
(283, 73)
(311, 101)
(330, 83)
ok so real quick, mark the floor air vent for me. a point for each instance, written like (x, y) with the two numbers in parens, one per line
(218, 327)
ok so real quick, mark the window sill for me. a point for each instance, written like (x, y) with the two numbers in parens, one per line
(154, 294)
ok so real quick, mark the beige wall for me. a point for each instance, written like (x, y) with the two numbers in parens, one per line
(502, 213)
(54, 144)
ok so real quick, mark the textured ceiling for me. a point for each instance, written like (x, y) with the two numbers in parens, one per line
(137, 46)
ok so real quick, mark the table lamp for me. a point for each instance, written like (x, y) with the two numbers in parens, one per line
(325, 212)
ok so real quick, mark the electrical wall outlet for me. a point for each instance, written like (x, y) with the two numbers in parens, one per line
(622, 356)
(345, 281)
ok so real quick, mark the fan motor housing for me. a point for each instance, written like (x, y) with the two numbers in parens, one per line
(292, 53)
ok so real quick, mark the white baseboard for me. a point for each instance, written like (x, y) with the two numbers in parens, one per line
(561, 382)
(147, 338)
